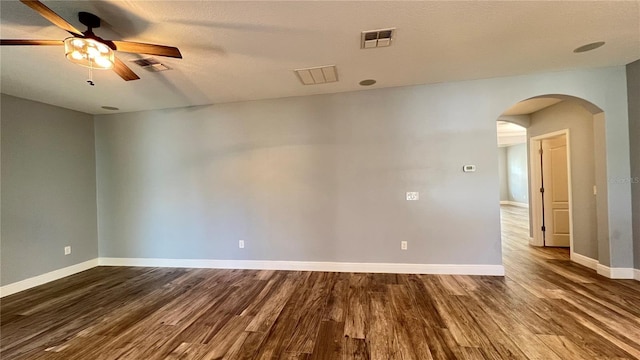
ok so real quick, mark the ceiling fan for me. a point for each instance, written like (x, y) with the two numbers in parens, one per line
(87, 49)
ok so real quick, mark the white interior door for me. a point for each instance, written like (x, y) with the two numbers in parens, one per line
(555, 181)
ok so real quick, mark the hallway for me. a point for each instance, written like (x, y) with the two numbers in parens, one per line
(515, 241)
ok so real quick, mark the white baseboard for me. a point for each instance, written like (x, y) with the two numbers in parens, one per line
(584, 261)
(444, 269)
(603, 270)
(533, 242)
(514, 203)
(45, 278)
(616, 273)
(606, 271)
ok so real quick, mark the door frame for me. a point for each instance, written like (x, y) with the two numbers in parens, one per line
(536, 184)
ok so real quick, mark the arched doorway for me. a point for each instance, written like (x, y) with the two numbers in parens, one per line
(565, 132)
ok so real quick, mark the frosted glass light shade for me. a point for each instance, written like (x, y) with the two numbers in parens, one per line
(89, 53)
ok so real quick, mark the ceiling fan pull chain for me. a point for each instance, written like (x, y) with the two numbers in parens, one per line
(90, 81)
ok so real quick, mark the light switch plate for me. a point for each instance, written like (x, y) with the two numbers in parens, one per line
(413, 195)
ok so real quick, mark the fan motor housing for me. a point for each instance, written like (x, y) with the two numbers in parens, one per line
(89, 20)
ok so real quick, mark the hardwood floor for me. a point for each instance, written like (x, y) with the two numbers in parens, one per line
(545, 308)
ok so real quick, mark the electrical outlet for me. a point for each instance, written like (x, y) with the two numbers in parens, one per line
(241, 244)
(403, 245)
(67, 250)
(413, 196)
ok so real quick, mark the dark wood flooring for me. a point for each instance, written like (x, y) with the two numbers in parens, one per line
(545, 308)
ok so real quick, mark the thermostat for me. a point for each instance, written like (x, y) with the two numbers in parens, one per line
(469, 168)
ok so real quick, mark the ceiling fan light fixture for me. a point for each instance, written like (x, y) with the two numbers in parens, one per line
(89, 53)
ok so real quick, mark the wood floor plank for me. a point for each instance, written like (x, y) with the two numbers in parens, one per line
(224, 339)
(546, 307)
(313, 306)
(357, 311)
(245, 347)
(454, 315)
(267, 315)
(337, 303)
(187, 351)
(382, 337)
(355, 349)
(564, 347)
(408, 326)
(284, 337)
(330, 342)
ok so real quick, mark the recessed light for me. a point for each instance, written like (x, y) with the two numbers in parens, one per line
(367, 82)
(589, 47)
(112, 108)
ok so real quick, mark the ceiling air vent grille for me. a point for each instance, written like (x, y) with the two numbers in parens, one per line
(377, 38)
(318, 75)
(151, 64)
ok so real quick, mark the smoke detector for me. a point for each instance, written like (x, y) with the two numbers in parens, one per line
(318, 75)
(376, 38)
(151, 64)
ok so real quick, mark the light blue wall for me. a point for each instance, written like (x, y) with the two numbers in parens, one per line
(310, 178)
(316, 178)
(512, 170)
(502, 173)
(323, 178)
(48, 189)
(633, 86)
(518, 181)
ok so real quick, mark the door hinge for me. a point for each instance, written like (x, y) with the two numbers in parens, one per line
(542, 190)
(544, 228)
(540, 151)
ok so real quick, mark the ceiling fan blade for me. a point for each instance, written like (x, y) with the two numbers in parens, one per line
(48, 14)
(150, 49)
(31, 42)
(124, 71)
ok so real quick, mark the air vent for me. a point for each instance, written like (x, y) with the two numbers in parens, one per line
(318, 75)
(151, 64)
(377, 38)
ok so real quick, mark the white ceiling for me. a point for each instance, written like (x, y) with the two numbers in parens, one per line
(510, 134)
(507, 128)
(236, 51)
